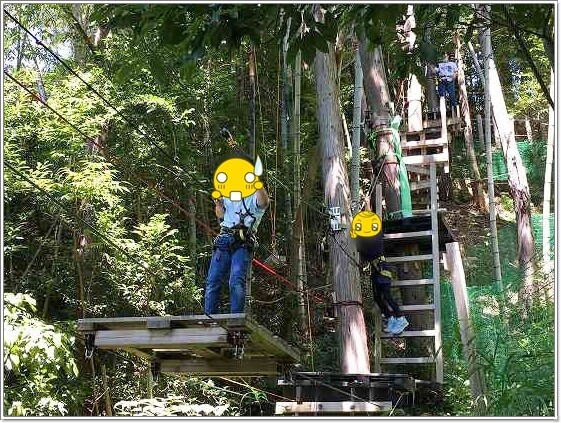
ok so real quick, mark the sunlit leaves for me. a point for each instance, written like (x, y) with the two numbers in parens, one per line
(38, 360)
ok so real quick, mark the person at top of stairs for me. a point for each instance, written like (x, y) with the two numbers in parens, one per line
(367, 232)
(447, 71)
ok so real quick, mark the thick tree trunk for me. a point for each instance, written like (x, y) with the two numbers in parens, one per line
(477, 184)
(517, 180)
(375, 85)
(348, 297)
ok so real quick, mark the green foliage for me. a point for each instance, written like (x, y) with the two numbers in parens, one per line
(40, 373)
(151, 274)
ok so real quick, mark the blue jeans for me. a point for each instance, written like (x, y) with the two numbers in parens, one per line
(447, 87)
(228, 262)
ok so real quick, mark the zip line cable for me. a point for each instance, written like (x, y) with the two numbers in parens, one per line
(89, 86)
(93, 229)
(107, 102)
(173, 159)
(268, 269)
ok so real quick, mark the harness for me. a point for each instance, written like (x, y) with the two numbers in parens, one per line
(243, 236)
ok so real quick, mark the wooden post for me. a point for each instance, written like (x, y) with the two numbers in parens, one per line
(415, 107)
(150, 383)
(106, 394)
(476, 381)
(436, 274)
(480, 133)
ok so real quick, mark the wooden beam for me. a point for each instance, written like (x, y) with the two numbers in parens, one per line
(427, 159)
(222, 367)
(477, 384)
(436, 142)
(408, 360)
(172, 338)
(292, 407)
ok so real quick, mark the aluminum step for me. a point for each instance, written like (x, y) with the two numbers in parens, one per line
(417, 307)
(410, 334)
(402, 235)
(413, 282)
(407, 360)
(403, 259)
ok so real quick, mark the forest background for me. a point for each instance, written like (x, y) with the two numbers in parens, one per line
(112, 119)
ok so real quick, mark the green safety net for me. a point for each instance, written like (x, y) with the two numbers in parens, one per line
(482, 289)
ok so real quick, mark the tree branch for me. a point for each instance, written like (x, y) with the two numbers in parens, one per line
(523, 48)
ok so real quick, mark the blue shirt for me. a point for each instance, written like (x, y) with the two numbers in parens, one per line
(235, 212)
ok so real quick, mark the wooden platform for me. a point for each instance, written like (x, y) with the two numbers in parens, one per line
(324, 393)
(222, 344)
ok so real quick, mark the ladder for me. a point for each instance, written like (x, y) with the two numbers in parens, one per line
(432, 282)
(423, 152)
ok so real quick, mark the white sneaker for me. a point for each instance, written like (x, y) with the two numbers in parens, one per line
(390, 324)
(400, 324)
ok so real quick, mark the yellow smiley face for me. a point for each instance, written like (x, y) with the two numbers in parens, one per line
(366, 224)
(236, 179)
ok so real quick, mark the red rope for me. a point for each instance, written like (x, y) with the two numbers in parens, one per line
(315, 297)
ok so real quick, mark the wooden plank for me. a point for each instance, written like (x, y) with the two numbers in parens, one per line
(410, 334)
(172, 338)
(403, 259)
(436, 142)
(418, 185)
(293, 407)
(221, 367)
(272, 343)
(426, 159)
(234, 319)
(158, 322)
(408, 360)
(417, 169)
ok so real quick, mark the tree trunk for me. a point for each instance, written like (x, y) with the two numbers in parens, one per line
(528, 127)
(299, 252)
(284, 133)
(348, 297)
(355, 157)
(517, 180)
(477, 184)
(491, 186)
(375, 85)
(252, 113)
(547, 261)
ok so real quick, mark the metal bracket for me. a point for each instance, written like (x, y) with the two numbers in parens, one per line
(335, 218)
(236, 339)
(90, 345)
(155, 368)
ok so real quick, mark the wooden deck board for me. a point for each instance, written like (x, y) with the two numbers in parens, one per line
(192, 340)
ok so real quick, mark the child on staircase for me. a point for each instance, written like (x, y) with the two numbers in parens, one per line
(369, 239)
